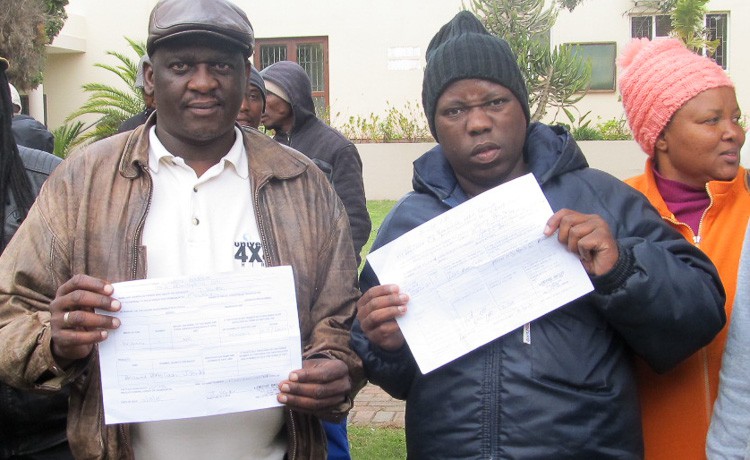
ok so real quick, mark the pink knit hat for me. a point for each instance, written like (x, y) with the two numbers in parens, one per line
(656, 79)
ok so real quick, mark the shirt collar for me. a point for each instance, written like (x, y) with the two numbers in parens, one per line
(236, 155)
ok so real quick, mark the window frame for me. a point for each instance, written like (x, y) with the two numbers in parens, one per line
(710, 15)
(292, 44)
(723, 47)
(612, 86)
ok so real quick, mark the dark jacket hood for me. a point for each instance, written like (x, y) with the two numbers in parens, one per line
(293, 79)
(550, 151)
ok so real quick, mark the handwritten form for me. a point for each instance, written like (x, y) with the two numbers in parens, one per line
(479, 271)
(200, 345)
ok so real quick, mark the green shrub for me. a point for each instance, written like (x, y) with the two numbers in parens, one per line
(581, 128)
(397, 125)
(614, 130)
(586, 133)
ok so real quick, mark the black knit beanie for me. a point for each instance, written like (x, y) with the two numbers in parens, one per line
(256, 80)
(463, 49)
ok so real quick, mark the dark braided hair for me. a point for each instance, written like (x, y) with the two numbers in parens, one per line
(13, 178)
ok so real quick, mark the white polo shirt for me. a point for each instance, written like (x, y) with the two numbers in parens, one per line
(198, 225)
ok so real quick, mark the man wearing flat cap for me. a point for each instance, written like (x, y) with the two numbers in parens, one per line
(152, 203)
(562, 386)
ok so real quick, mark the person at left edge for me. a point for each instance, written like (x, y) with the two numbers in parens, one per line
(32, 426)
(152, 202)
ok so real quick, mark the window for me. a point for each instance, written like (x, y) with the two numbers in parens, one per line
(716, 26)
(601, 56)
(309, 52)
(660, 26)
(650, 26)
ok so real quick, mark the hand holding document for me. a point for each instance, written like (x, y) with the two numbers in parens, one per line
(200, 345)
(479, 271)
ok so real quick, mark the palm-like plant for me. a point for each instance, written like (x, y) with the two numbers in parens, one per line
(688, 24)
(111, 104)
(65, 137)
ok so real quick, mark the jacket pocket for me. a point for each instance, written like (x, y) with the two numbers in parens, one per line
(574, 352)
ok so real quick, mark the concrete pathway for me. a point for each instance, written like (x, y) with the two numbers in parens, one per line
(374, 407)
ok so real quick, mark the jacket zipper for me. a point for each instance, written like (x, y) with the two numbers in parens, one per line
(293, 444)
(703, 351)
(139, 228)
(696, 236)
(271, 260)
(134, 272)
(267, 250)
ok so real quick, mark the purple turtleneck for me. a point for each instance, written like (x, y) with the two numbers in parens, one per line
(687, 203)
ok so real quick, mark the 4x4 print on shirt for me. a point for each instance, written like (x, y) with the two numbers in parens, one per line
(248, 253)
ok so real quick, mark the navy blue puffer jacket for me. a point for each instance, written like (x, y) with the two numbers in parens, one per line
(570, 392)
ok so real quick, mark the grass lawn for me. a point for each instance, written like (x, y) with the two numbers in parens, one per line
(370, 443)
(378, 209)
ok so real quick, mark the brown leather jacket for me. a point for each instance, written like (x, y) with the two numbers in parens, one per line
(89, 218)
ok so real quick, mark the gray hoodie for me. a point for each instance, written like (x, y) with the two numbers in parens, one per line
(334, 154)
(729, 434)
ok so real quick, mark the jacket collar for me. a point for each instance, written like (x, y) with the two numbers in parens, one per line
(269, 159)
(717, 190)
(549, 151)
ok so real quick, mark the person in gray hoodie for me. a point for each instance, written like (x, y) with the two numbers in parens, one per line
(290, 112)
(729, 433)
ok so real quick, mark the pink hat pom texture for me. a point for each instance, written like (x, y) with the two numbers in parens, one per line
(656, 79)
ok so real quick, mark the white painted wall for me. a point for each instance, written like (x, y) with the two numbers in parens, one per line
(606, 20)
(360, 34)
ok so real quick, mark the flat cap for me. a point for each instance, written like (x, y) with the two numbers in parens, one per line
(218, 19)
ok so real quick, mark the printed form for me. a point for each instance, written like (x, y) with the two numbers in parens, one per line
(479, 271)
(200, 345)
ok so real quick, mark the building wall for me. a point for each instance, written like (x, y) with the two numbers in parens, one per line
(607, 20)
(361, 75)
(360, 33)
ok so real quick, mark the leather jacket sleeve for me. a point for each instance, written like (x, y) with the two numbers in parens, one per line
(333, 311)
(35, 262)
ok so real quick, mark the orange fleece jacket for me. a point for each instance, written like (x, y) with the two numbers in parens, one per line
(676, 406)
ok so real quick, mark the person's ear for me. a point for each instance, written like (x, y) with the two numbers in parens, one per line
(661, 143)
(148, 79)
